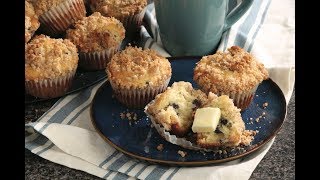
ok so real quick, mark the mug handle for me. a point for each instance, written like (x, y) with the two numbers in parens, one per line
(236, 13)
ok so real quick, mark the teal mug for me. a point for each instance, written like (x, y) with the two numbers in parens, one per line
(195, 27)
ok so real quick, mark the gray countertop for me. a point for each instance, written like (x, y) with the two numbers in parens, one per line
(279, 162)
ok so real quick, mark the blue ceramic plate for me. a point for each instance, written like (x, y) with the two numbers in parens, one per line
(137, 139)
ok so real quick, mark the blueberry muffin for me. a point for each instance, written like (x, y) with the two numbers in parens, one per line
(230, 131)
(235, 73)
(31, 21)
(56, 16)
(130, 13)
(174, 108)
(137, 75)
(97, 38)
(50, 65)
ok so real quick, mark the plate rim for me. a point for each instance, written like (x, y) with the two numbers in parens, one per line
(187, 163)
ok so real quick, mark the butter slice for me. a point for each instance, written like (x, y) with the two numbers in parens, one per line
(206, 120)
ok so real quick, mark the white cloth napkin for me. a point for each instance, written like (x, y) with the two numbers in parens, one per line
(65, 135)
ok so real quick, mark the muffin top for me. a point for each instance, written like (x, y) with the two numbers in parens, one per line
(47, 58)
(233, 71)
(42, 6)
(96, 33)
(134, 67)
(31, 21)
(118, 8)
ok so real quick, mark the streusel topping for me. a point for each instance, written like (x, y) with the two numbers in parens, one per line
(134, 67)
(96, 33)
(232, 71)
(31, 21)
(47, 58)
(118, 8)
(42, 6)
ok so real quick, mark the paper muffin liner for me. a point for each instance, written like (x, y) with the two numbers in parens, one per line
(241, 99)
(96, 60)
(183, 142)
(137, 98)
(132, 22)
(50, 88)
(58, 19)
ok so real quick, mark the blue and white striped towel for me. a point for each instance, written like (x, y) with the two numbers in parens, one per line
(65, 135)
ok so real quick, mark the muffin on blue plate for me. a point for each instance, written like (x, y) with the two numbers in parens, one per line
(235, 73)
(137, 76)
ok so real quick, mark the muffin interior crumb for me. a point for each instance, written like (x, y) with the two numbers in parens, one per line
(174, 108)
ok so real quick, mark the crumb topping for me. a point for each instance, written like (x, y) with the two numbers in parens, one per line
(232, 71)
(96, 33)
(31, 21)
(49, 58)
(118, 8)
(42, 6)
(134, 67)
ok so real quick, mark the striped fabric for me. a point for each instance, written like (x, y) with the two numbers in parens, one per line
(65, 135)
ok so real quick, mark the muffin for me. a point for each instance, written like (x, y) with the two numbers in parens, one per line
(235, 73)
(50, 65)
(97, 38)
(230, 131)
(130, 13)
(174, 108)
(56, 16)
(31, 21)
(174, 111)
(137, 76)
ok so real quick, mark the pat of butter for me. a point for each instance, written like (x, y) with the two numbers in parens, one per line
(206, 120)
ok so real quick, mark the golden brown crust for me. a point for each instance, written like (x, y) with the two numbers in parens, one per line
(31, 21)
(137, 68)
(231, 132)
(118, 8)
(96, 33)
(47, 58)
(42, 6)
(174, 108)
(232, 71)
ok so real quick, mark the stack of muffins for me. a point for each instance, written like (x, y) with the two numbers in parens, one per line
(61, 35)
